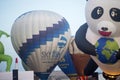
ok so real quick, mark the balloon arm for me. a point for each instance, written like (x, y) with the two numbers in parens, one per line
(3, 33)
(1, 48)
(118, 54)
(81, 41)
(8, 59)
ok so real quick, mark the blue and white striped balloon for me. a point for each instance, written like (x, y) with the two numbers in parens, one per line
(41, 39)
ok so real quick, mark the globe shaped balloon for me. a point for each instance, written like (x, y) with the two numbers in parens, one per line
(106, 52)
(41, 39)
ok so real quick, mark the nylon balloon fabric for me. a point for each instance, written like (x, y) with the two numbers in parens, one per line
(41, 39)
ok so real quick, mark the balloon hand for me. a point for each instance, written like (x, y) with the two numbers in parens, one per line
(3, 33)
(7, 35)
(118, 54)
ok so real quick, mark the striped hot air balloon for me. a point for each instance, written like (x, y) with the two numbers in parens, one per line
(41, 39)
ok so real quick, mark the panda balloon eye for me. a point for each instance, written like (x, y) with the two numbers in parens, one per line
(97, 12)
(115, 14)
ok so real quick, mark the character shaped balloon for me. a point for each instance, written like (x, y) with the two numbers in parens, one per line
(100, 36)
(41, 39)
(3, 56)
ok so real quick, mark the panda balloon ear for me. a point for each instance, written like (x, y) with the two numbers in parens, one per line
(86, 0)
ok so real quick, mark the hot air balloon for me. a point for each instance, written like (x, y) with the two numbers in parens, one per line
(79, 59)
(67, 66)
(41, 39)
(100, 37)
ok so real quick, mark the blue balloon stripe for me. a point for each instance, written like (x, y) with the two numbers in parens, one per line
(42, 41)
(36, 41)
(26, 48)
(49, 33)
(63, 43)
(30, 48)
(42, 38)
(42, 33)
(56, 30)
(66, 24)
(62, 28)
(63, 38)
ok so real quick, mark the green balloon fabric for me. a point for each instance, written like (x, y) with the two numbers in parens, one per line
(3, 33)
(1, 48)
(4, 57)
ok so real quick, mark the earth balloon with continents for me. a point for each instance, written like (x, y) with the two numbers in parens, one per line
(41, 39)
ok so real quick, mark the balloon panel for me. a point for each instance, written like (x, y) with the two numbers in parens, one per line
(80, 61)
(41, 39)
(67, 66)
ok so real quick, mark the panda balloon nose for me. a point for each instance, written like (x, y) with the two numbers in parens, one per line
(104, 28)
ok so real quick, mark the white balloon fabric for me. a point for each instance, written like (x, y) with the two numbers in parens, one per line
(41, 39)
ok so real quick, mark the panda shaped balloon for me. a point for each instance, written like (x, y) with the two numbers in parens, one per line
(100, 37)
